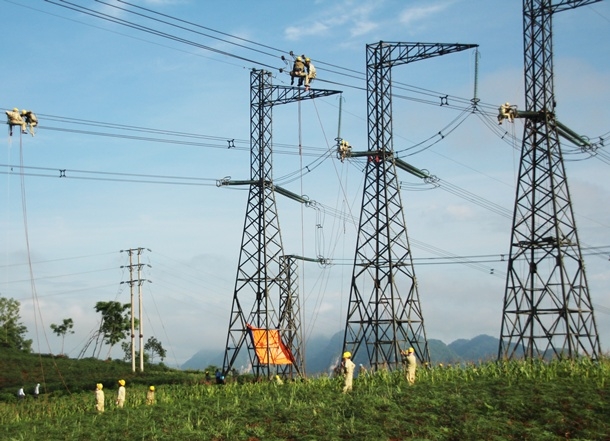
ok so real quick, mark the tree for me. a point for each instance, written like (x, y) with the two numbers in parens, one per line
(62, 330)
(126, 346)
(116, 322)
(155, 347)
(12, 331)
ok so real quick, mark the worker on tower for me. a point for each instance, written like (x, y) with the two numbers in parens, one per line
(506, 111)
(344, 149)
(298, 70)
(99, 397)
(311, 72)
(348, 370)
(14, 119)
(30, 119)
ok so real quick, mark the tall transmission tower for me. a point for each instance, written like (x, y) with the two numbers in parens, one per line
(264, 278)
(384, 311)
(547, 309)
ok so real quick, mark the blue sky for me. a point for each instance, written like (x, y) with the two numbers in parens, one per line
(141, 124)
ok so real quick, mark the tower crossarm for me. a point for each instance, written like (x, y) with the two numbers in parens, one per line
(570, 4)
(403, 53)
(288, 94)
(399, 162)
(562, 130)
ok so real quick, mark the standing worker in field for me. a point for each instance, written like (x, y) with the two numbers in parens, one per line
(37, 390)
(150, 395)
(99, 397)
(120, 398)
(411, 361)
(348, 370)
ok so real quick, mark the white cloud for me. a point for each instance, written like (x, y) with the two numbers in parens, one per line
(415, 15)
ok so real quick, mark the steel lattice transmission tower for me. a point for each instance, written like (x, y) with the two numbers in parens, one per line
(264, 278)
(547, 308)
(384, 312)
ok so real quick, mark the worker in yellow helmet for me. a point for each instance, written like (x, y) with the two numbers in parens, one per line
(99, 397)
(348, 370)
(150, 395)
(298, 71)
(30, 119)
(13, 118)
(120, 398)
(310, 70)
(411, 364)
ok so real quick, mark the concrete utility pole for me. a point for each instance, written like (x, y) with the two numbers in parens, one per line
(132, 282)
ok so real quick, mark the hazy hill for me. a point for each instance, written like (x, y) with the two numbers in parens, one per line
(322, 354)
(480, 348)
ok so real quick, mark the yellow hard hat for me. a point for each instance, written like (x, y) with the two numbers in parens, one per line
(15, 109)
(307, 59)
(99, 386)
(299, 59)
(347, 354)
(23, 112)
(122, 382)
(152, 387)
(410, 350)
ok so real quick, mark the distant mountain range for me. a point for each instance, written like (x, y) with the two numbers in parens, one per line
(322, 354)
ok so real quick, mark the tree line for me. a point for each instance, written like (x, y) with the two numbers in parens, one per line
(115, 326)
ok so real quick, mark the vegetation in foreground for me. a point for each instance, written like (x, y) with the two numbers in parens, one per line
(509, 401)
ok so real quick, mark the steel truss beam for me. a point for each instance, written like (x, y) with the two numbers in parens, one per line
(547, 310)
(384, 313)
(262, 276)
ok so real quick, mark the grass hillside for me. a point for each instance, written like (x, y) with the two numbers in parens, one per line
(508, 401)
(61, 375)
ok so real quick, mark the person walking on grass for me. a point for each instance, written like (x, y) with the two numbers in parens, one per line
(348, 370)
(120, 398)
(99, 397)
(411, 361)
(150, 395)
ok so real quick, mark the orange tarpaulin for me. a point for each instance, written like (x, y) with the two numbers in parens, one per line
(269, 347)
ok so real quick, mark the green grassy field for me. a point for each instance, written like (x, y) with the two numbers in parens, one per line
(511, 401)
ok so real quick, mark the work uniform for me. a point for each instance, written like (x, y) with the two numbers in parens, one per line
(99, 399)
(311, 72)
(120, 399)
(411, 365)
(150, 397)
(298, 70)
(14, 119)
(30, 119)
(348, 369)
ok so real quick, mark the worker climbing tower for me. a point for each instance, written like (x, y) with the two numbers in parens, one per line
(547, 309)
(384, 313)
(264, 278)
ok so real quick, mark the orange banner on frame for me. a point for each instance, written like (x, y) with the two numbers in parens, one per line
(269, 347)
